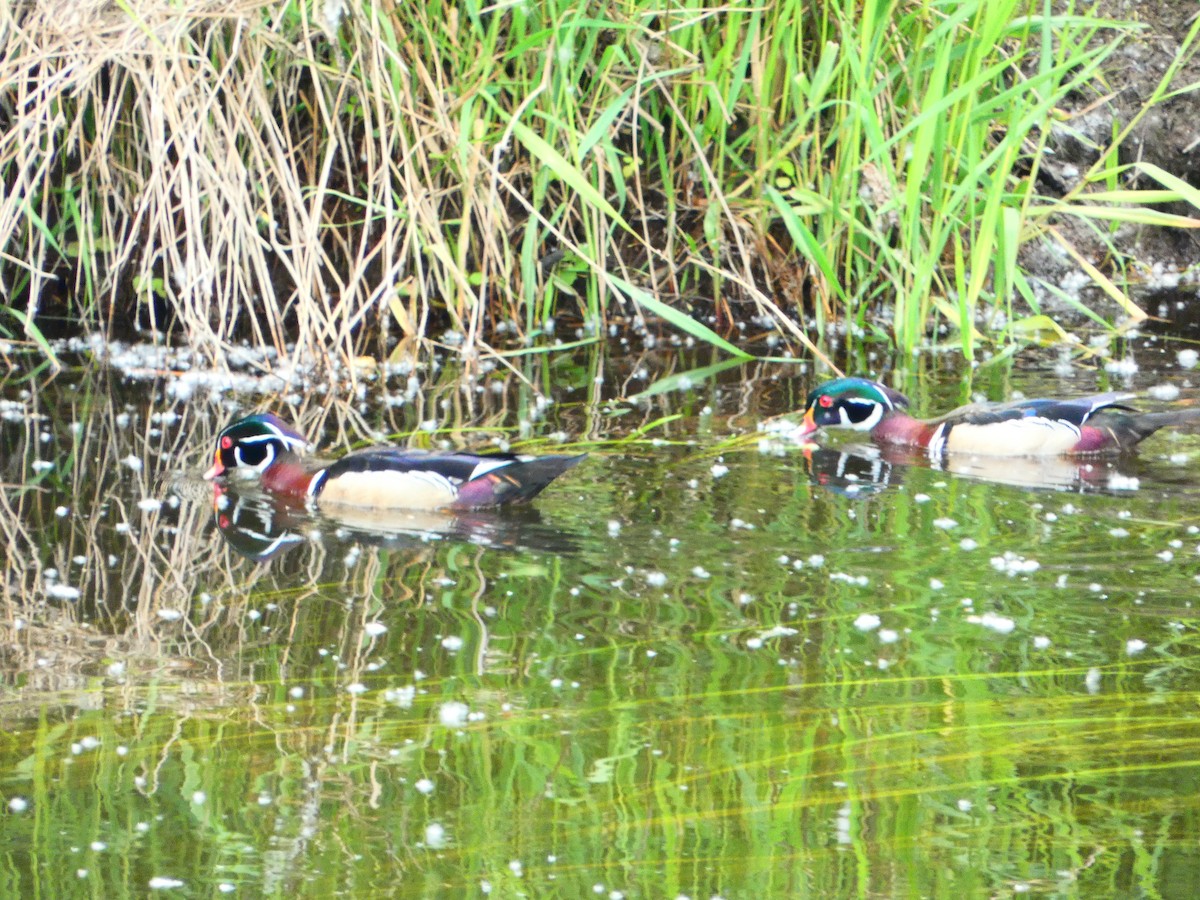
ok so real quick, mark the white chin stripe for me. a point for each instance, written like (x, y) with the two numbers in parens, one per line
(866, 424)
(262, 466)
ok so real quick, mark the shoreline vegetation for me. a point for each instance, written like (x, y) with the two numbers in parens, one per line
(336, 180)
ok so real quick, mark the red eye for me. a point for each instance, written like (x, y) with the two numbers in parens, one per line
(826, 401)
(226, 442)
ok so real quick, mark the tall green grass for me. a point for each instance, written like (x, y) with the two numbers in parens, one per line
(920, 135)
(365, 179)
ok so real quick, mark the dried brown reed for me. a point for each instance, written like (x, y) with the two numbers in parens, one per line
(242, 170)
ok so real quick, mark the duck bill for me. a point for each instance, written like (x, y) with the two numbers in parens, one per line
(216, 471)
(807, 425)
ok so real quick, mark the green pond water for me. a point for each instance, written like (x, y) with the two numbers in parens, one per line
(707, 664)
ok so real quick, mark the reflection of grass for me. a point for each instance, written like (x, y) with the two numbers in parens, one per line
(684, 704)
(706, 784)
(411, 169)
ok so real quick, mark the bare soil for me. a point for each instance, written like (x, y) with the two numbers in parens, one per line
(1168, 135)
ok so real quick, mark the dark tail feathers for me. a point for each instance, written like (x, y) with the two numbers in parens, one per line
(1131, 429)
(515, 483)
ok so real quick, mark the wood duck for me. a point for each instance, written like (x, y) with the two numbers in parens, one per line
(1101, 423)
(382, 477)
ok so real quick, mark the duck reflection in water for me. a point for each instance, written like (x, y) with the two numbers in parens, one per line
(256, 527)
(855, 472)
(861, 470)
(260, 526)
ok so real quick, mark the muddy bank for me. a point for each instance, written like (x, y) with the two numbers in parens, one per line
(1168, 135)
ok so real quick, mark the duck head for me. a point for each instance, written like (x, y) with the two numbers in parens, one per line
(255, 443)
(854, 403)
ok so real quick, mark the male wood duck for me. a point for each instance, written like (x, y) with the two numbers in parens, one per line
(1101, 423)
(382, 477)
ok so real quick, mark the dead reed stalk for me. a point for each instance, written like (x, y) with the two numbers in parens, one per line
(236, 170)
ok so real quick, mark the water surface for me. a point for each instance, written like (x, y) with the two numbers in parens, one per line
(708, 663)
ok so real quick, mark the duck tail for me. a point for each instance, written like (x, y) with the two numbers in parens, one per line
(1136, 428)
(518, 482)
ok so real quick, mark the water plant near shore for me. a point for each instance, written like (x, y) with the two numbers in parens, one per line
(382, 175)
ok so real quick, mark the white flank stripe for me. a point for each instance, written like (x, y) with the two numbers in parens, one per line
(314, 483)
(488, 465)
(937, 443)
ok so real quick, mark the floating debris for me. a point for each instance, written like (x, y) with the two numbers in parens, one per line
(1119, 482)
(867, 622)
(1011, 564)
(454, 714)
(997, 623)
(1125, 368)
(777, 631)
(62, 592)
(435, 836)
(1164, 392)
(859, 580)
(401, 696)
